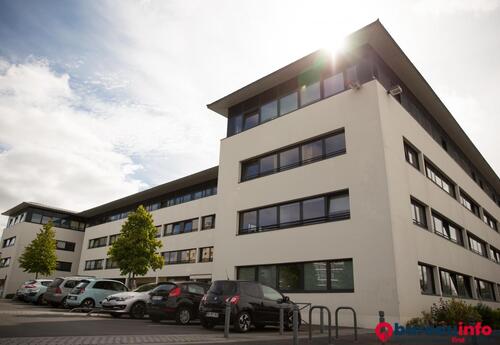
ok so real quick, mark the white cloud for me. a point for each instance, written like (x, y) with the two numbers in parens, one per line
(437, 7)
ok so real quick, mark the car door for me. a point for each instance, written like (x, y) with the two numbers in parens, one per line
(252, 295)
(100, 290)
(271, 300)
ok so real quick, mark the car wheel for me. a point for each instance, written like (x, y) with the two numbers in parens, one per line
(116, 315)
(88, 303)
(207, 324)
(243, 322)
(183, 315)
(138, 310)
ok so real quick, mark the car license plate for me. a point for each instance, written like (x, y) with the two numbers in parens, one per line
(157, 298)
(212, 314)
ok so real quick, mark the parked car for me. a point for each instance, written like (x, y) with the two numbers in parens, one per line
(36, 290)
(90, 292)
(177, 301)
(132, 303)
(58, 290)
(252, 304)
(21, 292)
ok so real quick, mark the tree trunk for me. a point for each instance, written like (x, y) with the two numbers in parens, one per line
(36, 275)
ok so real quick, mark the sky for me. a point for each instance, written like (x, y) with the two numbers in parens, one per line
(102, 99)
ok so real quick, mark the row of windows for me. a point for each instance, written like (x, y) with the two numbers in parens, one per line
(92, 265)
(207, 222)
(65, 245)
(63, 266)
(310, 87)
(319, 209)
(9, 242)
(98, 242)
(446, 184)
(318, 276)
(452, 232)
(413, 106)
(294, 156)
(58, 220)
(16, 219)
(4, 262)
(179, 197)
(188, 256)
(454, 284)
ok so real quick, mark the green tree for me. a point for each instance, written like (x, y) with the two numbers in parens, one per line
(39, 256)
(135, 250)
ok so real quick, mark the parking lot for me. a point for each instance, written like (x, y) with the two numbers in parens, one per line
(22, 323)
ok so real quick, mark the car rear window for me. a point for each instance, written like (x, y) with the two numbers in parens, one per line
(223, 288)
(81, 285)
(56, 282)
(46, 283)
(71, 283)
(163, 288)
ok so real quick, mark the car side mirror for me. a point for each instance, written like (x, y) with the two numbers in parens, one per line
(285, 299)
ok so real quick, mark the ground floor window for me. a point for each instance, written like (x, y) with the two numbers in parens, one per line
(426, 276)
(316, 276)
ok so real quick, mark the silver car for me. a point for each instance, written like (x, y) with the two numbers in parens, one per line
(132, 303)
(58, 290)
(35, 291)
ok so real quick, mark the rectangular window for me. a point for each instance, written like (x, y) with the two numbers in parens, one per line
(418, 213)
(98, 242)
(327, 276)
(4, 262)
(303, 212)
(9, 242)
(327, 146)
(333, 85)
(158, 231)
(181, 227)
(310, 91)
(289, 103)
(485, 290)
(208, 222)
(251, 120)
(234, 125)
(268, 111)
(206, 254)
(495, 254)
(469, 203)
(439, 179)
(65, 245)
(455, 284)
(447, 229)
(92, 265)
(63, 266)
(185, 256)
(426, 276)
(490, 221)
(476, 245)
(411, 156)
(110, 264)
(36, 218)
(113, 238)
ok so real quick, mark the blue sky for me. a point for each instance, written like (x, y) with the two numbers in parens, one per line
(100, 99)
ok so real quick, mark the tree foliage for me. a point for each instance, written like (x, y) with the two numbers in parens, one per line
(39, 256)
(135, 249)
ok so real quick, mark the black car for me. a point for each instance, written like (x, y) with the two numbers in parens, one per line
(252, 304)
(177, 301)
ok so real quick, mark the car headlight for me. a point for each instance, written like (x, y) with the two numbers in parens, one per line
(121, 299)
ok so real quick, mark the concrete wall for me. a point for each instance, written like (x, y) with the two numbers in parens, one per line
(201, 238)
(25, 233)
(366, 236)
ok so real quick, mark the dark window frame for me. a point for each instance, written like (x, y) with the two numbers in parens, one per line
(446, 224)
(96, 242)
(432, 282)
(63, 266)
(410, 149)
(416, 203)
(9, 242)
(68, 246)
(464, 198)
(471, 237)
(442, 176)
(478, 281)
(302, 222)
(301, 162)
(328, 289)
(490, 220)
(182, 227)
(203, 222)
(453, 276)
(178, 253)
(94, 265)
(211, 254)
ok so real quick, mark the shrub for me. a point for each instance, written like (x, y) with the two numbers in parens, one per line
(489, 316)
(10, 296)
(450, 313)
(424, 321)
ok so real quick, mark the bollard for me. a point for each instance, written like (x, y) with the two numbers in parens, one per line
(321, 323)
(282, 319)
(295, 325)
(227, 319)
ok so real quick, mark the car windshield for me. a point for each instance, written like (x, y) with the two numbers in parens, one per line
(145, 287)
(223, 288)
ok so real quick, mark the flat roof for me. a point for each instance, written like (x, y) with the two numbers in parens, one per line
(376, 36)
(158, 191)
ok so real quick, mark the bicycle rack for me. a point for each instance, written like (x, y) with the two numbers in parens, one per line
(321, 308)
(337, 321)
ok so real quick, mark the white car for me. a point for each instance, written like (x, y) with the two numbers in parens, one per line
(132, 303)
